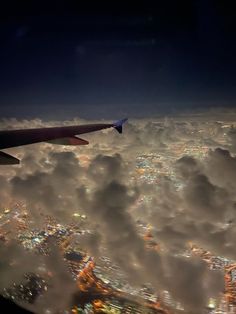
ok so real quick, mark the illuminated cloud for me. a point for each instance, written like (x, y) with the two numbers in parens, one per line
(106, 189)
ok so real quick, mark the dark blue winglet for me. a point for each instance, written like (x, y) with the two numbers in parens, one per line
(119, 125)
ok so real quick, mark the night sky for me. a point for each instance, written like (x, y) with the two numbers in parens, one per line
(63, 59)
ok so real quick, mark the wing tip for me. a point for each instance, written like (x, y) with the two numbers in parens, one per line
(118, 125)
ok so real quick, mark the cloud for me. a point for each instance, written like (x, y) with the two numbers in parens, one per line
(54, 180)
(198, 212)
(62, 287)
(108, 205)
(220, 168)
(47, 189)
(15, 262)
(192, 283)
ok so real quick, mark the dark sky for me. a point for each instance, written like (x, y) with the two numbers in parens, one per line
(101, 61)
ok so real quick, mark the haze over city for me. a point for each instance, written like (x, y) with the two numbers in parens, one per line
(138, 222)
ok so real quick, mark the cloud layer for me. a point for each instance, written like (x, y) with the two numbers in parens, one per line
(192, 201)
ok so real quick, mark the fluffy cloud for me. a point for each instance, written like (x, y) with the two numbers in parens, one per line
(108, 205)
(54, 180)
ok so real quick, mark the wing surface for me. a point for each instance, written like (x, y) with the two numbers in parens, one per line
(65, 135)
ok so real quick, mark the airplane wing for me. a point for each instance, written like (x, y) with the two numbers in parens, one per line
(55, 135)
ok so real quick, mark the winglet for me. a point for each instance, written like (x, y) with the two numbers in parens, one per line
(118, 125)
